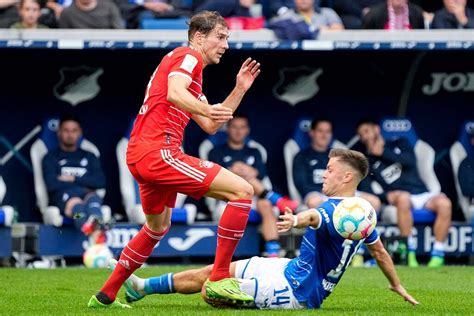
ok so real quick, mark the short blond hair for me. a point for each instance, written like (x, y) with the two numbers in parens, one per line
(354, 159)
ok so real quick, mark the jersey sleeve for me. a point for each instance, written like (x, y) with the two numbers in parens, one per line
(323, 216)
(372, 238)
(187, 64)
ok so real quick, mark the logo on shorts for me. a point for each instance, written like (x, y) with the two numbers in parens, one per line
(206, 164)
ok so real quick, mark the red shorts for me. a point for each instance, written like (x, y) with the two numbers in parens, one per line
(163, 173)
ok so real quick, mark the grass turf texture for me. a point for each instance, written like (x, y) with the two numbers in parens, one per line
(448, 290)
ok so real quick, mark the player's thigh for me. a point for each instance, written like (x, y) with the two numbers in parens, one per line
(229, 186)
(259, 266)
(270, 287)
(178, 172)
(422, 200)
(437, 201)
(156, 198)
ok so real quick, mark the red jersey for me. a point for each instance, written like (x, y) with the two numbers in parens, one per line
(160, 124)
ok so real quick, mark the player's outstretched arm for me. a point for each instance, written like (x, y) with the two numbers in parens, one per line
(208, 117)
(304, 219)
(249, 70)
(385, 263)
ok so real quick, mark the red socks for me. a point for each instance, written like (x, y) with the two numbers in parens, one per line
(133, 256)
(230, 231)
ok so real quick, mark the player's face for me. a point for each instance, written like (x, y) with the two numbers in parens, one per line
(368, 133)
(322, 134)
(238, 130)
(215, 44)
(333, 177)
(69, 134)
(30, 12)
(304, 5)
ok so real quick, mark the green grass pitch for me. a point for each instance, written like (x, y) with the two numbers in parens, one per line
(447, 290)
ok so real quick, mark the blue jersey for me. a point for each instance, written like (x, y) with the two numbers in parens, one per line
(226, 156)
(396, 169)
(81, 164)
(308, 169)
(323, 260)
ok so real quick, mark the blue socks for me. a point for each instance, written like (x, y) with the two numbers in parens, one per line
(160, 285)
(272, 248)
(93, 204)
(79, 215)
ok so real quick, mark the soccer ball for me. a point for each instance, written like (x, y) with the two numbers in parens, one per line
(354, 218)
(97, 256)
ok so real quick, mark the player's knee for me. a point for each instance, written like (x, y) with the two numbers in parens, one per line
(445, 203)
(244, 191)
(159, 226)
(404, 200)
(443, 206)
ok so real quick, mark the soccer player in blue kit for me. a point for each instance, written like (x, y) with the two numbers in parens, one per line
(305, 281)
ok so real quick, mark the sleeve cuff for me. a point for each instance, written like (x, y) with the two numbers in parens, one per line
(320, 220)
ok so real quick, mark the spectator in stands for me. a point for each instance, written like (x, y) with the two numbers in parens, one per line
(29, 11)
(72, 176)
(304, 22)
(226, 8)
(454, 15)
(57, 6)
(279, 7)
(466, 174)
(8, 13)
(134, 11)
(351, 11)
(91, 14)
(310, 164)
(394, 15)
(393, 164)
(247, 162)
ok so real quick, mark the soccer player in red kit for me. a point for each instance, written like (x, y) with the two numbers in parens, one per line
(174, 96)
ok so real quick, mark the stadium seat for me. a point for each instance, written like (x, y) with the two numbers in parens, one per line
(183, 213)
(47, 141)
(217, 207)
(298, 141)
(6, 211)
(457, 153)
(164, 24)
(394, 128)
